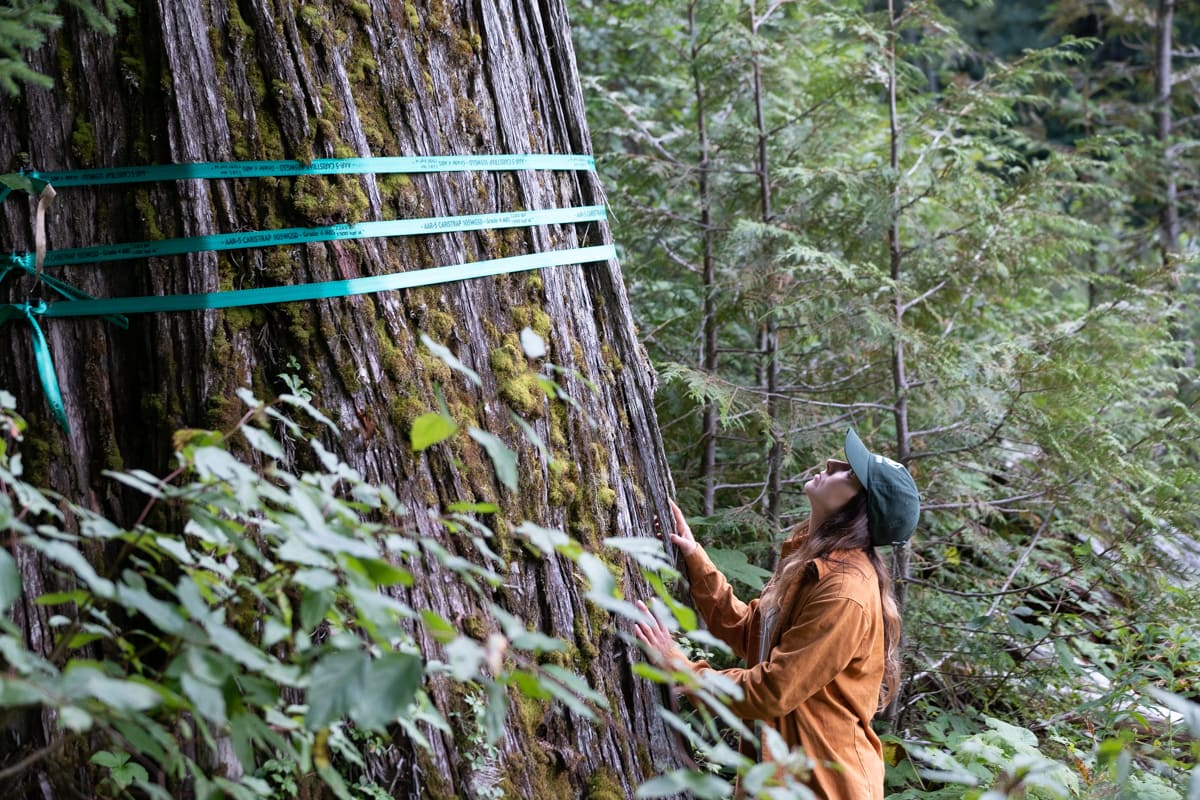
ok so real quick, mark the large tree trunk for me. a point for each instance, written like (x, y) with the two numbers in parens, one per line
(278, 79)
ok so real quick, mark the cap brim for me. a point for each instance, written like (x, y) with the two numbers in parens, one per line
(859, 458)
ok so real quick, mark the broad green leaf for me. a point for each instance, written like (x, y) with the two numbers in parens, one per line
(701, 785)
(380, 572)
(207, 699)
(431, 428)
(734, 565)
(313, 606)
(72, 559)
(16, 691)
(315, 579)
(542, 540)
(230, 642)
(81, 680)
(441, 630)
(503, 459)
(165, 616)
(647, 550)
(18, 182)
(58, 598)
(74, 718)
(575, 683)
(336, 686)
(111, 760)
(263, 442)
(307, 408)
(10, 580)
(603, 589)
(391, 685)
(464, 657)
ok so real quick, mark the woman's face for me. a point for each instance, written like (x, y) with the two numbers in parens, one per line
(830, 490)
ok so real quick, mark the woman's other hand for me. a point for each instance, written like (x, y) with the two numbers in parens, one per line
(660, 645)
(682, 537)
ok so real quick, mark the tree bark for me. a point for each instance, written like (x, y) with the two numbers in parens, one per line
(1169, 216)
(303, 79)
(900, 384)
(708, 322)
(770, 333)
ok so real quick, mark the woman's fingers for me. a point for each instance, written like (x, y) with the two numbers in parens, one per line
(682, 537)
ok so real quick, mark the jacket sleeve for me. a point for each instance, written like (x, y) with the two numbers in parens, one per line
(818, 645)
(727, 617)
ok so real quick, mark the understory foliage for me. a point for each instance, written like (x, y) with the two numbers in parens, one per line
(984, 296)
(265, 615)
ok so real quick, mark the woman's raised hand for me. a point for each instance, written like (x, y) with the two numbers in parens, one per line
(660, 645)
(682, 537)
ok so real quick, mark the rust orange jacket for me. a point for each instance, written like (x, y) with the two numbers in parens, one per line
(814, 675)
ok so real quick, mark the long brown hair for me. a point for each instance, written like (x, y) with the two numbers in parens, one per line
(845, 529)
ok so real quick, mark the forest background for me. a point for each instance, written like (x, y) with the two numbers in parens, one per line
(967, 229)
(970, 230)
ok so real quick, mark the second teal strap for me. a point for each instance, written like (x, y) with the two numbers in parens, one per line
(328, 233)
(326, 289)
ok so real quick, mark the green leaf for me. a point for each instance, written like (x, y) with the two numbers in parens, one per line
(575, 683)
(315, 579)
(450, 360)
(313, 606)
(441, 630)
(263, 442)
(735, 566)
(19, 692)
(111, 760)
(207, 699)
(708, 787)
(380, 572)
(464, 656)
(503, 459)
(391, 685)
(335, 686)
(473, 508)
(58, 598)
(72, 559)
(431, 428)
(10, 580)
(542, 540)
(82, 680)
(647, 550)
(18, 182)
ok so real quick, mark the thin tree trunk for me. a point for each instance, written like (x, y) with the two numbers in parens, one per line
(1169, 216)
(900, 386)
(254, 79)
(770, 333)
(708, 323)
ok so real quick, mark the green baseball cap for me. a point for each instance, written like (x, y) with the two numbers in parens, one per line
(893, 504)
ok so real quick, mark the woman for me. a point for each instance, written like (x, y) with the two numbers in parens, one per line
(820, 644)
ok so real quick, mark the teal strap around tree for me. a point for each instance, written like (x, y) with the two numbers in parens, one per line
(327, 233)
(327, 289)
(65, 289)
(275, 294)
(41, 354)
(227, 170)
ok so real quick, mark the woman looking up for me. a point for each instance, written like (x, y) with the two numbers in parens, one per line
(820, 644)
